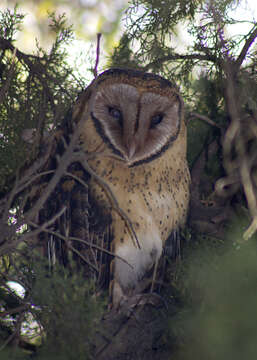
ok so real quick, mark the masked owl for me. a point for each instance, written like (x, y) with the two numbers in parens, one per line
(134, 122)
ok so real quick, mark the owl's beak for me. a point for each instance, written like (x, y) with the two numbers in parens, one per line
(131, 149)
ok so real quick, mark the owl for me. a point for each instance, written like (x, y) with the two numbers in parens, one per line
(133, 122)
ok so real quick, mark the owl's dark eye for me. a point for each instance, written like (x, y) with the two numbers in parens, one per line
(156, 119)
(116, 114)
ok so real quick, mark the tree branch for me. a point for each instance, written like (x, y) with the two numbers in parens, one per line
(38, 68)
(204, 118)
(97, 55)
(244, 167)
(108, 191)
(89, 244)
(248, 43)
(180, 57)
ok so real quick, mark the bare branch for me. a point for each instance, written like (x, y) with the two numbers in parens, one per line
(95, 72)
(249, 41)
(33, 233)
(111, 196)
(233, 130)
(23, 186)
(73, 238)
(15, 333)
(16, 310)
(64, 162)
(66, 239)
(205, 119)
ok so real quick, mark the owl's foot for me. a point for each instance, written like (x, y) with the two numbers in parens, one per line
(144, 299)
(128, 304)
(118, 297)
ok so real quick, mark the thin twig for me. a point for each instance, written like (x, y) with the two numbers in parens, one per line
(66, 239)
(95, 72)
(111, 196)
(15, 310)
(89, 244)
(32, 179)
(65, 160)
(14, 334)
(81, 256)
(204, 118)
(249, 41)
(32, 233)
(47, 223)
(77, 178)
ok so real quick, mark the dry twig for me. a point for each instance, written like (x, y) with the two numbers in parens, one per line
(95, 72)
(204, 118)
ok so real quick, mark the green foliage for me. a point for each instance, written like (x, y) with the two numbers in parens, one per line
(10, 23)
(154, 31)
(13, 354)
(209, 97)
(37, 90)
(198, 135)
(208, 100)
(68, 312)
(215, 286)
(199, 66)
(159, 17)
(218, 318)
(63, 306)
(123, 55)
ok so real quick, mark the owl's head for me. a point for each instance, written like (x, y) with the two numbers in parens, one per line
(137, 114)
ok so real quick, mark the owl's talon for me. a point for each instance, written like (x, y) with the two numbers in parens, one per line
(128, 305)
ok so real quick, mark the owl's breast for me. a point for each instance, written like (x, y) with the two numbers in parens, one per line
(146, 192)
(154, 196)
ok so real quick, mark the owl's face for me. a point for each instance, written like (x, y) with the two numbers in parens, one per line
(137, 114)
